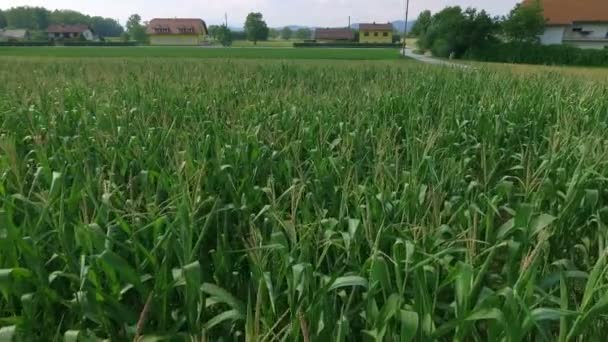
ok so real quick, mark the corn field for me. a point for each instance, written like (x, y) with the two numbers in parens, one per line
(218, 200)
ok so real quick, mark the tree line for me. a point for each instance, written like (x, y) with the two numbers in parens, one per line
(455, 32)
(256, 29)
(40, 18)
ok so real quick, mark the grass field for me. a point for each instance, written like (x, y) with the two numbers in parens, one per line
(302, 201)
(268, 43)
(589, 73)
(197, 52)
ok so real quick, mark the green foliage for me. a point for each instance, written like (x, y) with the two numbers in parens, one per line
(27, 43)
(286, 33)
(224, 36)
(239, 35)
(524, 23)
(531, 53)
(39, 18)
(303, 33)
(256, 28)
(101, 43)
(33, 18)
(2, 19)
(454, 31)
(422, 24)
(147, 199)
(345, 45)
(124, 37)
(193, 52)
(68, 17)
(274, 33)
(213, 31)
(136, 30)
(106, 27)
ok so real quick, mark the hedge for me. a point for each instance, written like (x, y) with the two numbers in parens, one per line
(80, 43)
(526, 53)
(344, 45)
(44, 43)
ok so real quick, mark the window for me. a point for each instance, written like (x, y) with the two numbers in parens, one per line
(582, 31)
(385, 34)
(375, 34)
(366, 34)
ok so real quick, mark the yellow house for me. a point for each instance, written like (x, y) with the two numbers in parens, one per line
(376, 33)
(177, 31)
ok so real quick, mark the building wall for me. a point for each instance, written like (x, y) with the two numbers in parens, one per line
(176, 39)
(596, 38)
(88, 35)
(552, 35)
(596, 31)
(375, 37)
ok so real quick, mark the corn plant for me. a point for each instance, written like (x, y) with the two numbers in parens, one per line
(303, 201)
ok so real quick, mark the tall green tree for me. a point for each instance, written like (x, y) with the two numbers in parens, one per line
(135, 29)
(39, 18)
(68, 17)
(106, 27)
(454, 31)
(213, 31)
(256, 28)
(525, 23)
(422, 23)
(303, 33)
(274, 33)
(2, 19)
(224, 35)
(286, 33)
(33, 18)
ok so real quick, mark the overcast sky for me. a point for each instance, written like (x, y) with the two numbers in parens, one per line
(276, 12)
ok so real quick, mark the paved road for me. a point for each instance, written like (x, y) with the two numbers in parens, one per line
(430, 60)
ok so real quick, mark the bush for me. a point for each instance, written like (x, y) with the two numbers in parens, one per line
(528, 53)
(86, 43)
(344, 45)
(37, 43)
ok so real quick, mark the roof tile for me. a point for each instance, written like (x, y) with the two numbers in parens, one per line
(177, 26)
(565, 12)
(376, 27)
(334, 34)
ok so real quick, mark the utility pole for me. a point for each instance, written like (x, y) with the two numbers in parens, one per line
(407, 12)
(226, 19)
(349, 22)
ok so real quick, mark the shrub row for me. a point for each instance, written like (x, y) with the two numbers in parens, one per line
(79, 43)
(344, 45)
(527, 53)
(44, 43)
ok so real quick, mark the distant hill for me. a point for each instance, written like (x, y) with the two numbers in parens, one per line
(397, 24)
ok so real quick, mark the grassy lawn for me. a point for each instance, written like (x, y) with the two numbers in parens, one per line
(268, 43)
(185, 199)
(198, 52)
(591, 73)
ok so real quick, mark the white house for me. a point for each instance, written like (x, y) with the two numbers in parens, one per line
(582, 23)
(14, 35)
